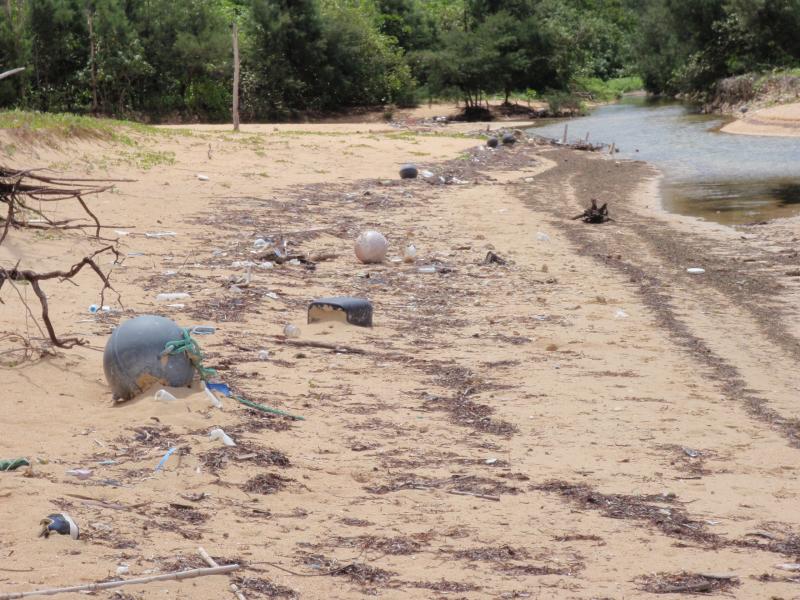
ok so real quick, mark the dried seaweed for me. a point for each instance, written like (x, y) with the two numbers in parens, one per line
(686, 583)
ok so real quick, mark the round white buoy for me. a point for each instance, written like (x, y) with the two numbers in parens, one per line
(371, 247)
(695, 270)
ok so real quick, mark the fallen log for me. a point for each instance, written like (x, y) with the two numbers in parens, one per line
(593, 214)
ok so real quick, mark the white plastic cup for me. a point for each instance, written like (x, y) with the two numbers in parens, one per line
(218, 434)
(164, 396)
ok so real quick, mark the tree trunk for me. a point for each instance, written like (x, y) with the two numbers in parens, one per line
(235, 77)
(92, 60)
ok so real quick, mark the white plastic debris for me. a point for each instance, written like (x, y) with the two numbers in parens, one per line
(263, 355)
(272, 295)
(81, 474)
(788, 566)
(542, 237)
(410, 253)
(695, 270)
(426, 174)
(266, 265)
(122, 569)
(291, 331)
(427, 269)
(260, 244)
(621, 314)
(202, 177)
(215, 402)
(160, 234)
(218, 434)
(169, 297)
(164, 396)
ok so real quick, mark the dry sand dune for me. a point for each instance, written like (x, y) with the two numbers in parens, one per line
(585, 421)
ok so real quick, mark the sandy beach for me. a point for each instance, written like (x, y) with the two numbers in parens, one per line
(783, 121)
(581, 419)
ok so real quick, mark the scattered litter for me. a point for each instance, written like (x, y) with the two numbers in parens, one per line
(165, 458)
(121, 233)
(371, 247)
(122, 569)
(788, 566)
(169, 297)
(621, 314)
(176, 306)
(691, 453)
(60, 523)
(215, 402)
(427, 269)
(202, 177)
(220, 388)
(81, 474)
(695, 270)
(491, 461)
(170, 273)
(160, 234)
(242, 264)
(164, 396)
(263, 355)
(291, 331)
(260, 244)
(106, 462)
(345, 309)
(295, 262)
(203, 330)
(593, 214)
(266, 265)
(426, 174)
(410, 253)
(272, 295)
(542, 237)
(218, 434)
(135, 254)
(13, 464)
(408, 171)
(496, 259)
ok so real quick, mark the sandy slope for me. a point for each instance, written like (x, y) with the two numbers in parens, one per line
(781, 120)
(510, 431)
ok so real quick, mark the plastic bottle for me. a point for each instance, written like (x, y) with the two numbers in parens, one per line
(427, 269)
(215, 402)
(410, 253)
(164, 396)
(172, 296)
(291, 331)
(218, 434)
(263, 355)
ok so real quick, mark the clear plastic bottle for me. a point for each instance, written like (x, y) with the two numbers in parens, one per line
(164, 396)
(291, 331)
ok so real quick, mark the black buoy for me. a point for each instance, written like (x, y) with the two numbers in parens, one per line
(408, 171)
(135, 357)
(346, 309)
(492, 142)
(509, 139)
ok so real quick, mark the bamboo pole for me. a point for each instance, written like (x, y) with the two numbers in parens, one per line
(235, 77)
(107, 585)
(11, 72)
(212, 563)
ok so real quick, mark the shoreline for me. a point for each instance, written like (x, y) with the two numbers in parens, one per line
(505, 427)
(777, 121)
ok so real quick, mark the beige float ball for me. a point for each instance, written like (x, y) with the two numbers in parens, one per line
(371, 247)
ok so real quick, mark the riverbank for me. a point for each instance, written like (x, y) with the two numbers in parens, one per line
(504, 430)
(781, 121)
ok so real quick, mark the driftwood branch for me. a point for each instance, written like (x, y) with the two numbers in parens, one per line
(212, 563)
(594, 214)
(33, 278)
(107, 585)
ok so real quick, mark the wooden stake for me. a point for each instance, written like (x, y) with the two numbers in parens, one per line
(235, 77)
(107, 585)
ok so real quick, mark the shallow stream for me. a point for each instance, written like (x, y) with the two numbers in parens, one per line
(731, 179)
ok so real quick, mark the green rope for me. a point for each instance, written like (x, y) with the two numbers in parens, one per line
(191, 348)
(266, 409)
(13, 464)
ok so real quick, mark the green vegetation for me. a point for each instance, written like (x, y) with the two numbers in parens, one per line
(168, 60)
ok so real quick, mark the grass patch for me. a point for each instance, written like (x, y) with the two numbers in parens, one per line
(608, 91)
(147, 159)
(50, 126)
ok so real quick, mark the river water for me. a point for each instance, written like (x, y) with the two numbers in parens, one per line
(731, 179)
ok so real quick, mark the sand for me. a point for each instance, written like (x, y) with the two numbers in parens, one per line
(586, 420)
(783, 121)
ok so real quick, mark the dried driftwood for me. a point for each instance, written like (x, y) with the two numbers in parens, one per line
(26, 194)
(593, 214)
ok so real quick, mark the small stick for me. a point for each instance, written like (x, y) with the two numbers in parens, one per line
(475, 495)
(322, 345)
(212, 563)
(107, 585)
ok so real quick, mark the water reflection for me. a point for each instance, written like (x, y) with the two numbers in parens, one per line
(727, 178)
